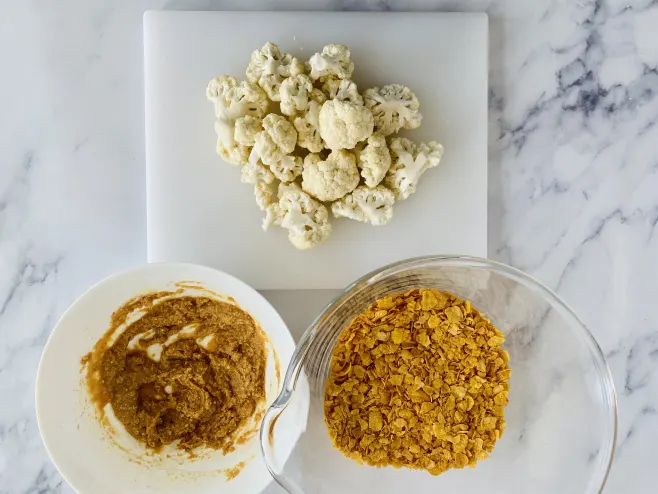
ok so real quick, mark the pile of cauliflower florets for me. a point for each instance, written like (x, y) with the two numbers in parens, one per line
(308, 141)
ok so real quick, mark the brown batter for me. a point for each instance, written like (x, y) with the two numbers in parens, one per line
(190, 369)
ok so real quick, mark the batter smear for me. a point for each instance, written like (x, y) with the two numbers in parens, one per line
(190, 369)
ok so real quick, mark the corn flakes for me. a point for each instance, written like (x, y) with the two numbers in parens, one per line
(419, 380)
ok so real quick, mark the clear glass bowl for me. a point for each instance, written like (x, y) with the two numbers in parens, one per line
(561, 419)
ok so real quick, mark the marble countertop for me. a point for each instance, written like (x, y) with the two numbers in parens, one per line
(573, 182)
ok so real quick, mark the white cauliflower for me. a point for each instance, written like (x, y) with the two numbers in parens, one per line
(344, 124)
(394, 107)
(306, 220)
(227, 147)
(254, 172)
(330, 179)
(369, 205)
(308, 125)
(321, 108)
(264, 195)
(236, 99)
(269, 66)
(272, 215)
(374, 160)
(247, 99)
(342, 89)
(410, 161)
(218, 88)
(286, 187)
(295, 92)
(318, 96)
(288, 168)
(276, 140)
(246, 129)
(334, 61)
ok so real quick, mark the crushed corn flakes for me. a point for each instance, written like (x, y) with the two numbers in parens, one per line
(418, 380)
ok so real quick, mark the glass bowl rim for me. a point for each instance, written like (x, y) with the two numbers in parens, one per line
(525, 279)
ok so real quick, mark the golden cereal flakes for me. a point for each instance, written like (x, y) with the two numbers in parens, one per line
(418, 380)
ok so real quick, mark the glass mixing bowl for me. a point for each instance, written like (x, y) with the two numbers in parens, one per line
(561, 418)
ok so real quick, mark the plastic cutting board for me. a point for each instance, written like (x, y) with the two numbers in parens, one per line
(198, 211)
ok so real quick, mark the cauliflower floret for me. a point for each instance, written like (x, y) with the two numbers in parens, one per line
(306, 220)
(369, 205)
(233, 101)
(246, 129)
(308, 125)
(374, 160)
(286, 187)
(231, 151)
(344, 124)
(272, 216)
(234, 155)
(317, 96)
(247, 99)
(410, 161)
(276, 140)
(272, 211)
(254, 172)
(288, 169)
(394, 107)
(342, 89)
(264, 195)
(236, 99)
(334, 61)
(269, 67)
(332, 178)
(218, 88)
(295, 92)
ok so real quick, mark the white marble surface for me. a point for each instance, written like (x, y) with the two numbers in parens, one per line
(573, 182)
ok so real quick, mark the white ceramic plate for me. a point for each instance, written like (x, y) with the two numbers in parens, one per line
(95, 460)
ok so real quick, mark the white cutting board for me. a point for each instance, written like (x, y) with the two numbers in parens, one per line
(197, 209)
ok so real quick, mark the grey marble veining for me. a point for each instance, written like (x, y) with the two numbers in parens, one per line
(573, 182)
